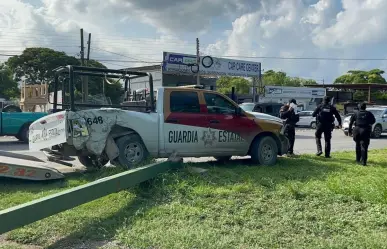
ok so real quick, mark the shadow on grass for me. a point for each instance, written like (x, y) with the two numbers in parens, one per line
(301, 168)
(104, 230)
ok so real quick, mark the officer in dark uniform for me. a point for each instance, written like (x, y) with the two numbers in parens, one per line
(325, 114)
(362, 132)
(288, 114)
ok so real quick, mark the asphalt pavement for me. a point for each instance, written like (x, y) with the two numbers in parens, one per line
(305, 143)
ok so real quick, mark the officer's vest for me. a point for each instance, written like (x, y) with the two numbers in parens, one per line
(326, 115)
(362, 119)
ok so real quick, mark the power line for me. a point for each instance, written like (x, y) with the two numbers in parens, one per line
(149, 62)
(305, 58)
(116, 53)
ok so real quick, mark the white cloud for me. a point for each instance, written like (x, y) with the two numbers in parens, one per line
(361, 22)
(291, 28)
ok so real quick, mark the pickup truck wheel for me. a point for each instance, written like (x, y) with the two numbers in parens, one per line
(377, 133)
(264, 151)
(24, 133)
(132, 151)
(222, 159)
(313, 125)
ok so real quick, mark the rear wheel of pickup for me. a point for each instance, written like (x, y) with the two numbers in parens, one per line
(264, 151)
(377, 132)
(24, 133)
(132, 151)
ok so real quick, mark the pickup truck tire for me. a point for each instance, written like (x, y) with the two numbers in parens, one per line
(132, 151)
(313, 125)
(264, 151)
(377, 132)
(24, 133)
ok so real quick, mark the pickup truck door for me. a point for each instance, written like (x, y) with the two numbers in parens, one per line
(184, 123)
(232, 133)
(11, 122)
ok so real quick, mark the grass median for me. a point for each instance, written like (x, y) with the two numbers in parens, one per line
(303, 202)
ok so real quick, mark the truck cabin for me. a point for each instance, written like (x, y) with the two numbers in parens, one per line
(67, 79)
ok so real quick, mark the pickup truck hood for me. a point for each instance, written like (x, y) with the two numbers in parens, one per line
(265, 116)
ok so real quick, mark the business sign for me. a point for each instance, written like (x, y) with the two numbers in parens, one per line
(294, 92)
(174, 63)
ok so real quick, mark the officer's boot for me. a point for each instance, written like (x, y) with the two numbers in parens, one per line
(358, 152)
(364, 154)
(328, 149)
(319, 147)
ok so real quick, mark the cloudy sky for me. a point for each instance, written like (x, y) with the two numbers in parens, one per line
(136, 32)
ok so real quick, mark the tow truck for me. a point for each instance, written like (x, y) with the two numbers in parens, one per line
(184, 122)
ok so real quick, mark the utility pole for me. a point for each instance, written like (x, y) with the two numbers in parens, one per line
(198, 61)
(86, 86)
(82, 63)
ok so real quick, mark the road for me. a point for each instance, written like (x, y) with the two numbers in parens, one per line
(305, 143)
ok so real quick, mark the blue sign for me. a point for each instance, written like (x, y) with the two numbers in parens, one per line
(179, 59)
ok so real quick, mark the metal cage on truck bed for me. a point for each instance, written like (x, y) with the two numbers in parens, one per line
(69, 72)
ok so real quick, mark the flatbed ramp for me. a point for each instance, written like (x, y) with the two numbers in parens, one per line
(27, 167)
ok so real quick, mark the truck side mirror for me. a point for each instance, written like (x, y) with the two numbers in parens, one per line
(238, 111)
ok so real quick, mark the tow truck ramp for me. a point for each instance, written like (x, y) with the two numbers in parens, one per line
(26, 167)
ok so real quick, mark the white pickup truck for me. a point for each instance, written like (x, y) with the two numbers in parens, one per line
(188, 122)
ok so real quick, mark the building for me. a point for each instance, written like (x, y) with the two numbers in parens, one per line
(33, 98)
(161, 79)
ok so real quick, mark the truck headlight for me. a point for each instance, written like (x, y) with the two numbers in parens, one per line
(79, 128)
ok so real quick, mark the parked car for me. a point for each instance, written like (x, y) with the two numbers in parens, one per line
(306, 119)
(18, 123)
(267, 108)
(380, 125)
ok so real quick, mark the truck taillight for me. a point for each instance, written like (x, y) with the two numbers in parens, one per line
(79, 127)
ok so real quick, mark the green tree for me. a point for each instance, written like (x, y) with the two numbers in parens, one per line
(225, 83)
(8, 86)
(36, 65)
(359, 76)
(273, 78)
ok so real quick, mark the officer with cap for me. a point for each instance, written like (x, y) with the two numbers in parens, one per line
(325, 114)
(289, 113)
(362, 132)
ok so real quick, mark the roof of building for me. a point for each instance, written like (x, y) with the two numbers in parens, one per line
(144, 68)
(355, 86)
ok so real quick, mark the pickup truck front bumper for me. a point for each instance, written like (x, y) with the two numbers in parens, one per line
(284, 144)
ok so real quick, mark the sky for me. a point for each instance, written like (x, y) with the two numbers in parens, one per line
(320, 40)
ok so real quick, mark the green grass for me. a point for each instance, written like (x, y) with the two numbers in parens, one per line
(304, 202)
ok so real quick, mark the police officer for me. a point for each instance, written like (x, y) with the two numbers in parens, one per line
(362, 132)
(324, 114)
(289, 114)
